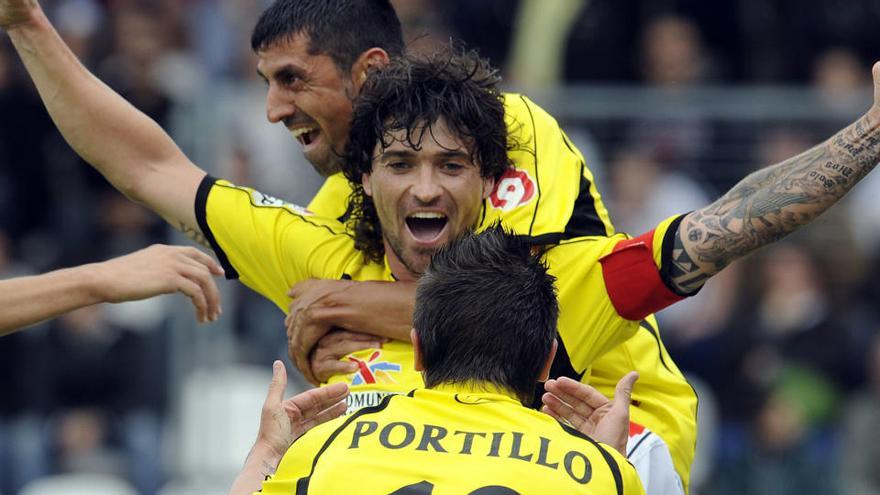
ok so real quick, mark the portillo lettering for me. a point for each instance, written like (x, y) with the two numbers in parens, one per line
(399, 435)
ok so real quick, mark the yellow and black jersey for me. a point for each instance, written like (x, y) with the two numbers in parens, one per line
(549, 195)
(450, 440)
(271, 245)
(635, 283)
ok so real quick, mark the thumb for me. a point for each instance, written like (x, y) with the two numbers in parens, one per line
(876, 73)
(278, 384)
(623, 391)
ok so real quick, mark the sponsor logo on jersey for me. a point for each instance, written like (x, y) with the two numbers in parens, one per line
(359, 400)
(514, 189)
(372, 370)
(264, 200)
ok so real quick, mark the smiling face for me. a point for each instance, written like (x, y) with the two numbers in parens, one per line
(311, 97)
(424, 196)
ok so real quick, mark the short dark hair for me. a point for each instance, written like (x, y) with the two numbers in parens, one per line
(342, 29)
(486, 311)
(409, 94)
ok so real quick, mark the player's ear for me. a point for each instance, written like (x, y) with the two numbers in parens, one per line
(373, 58)
(545, 373)
(488, 187)
(365, 181)
(417, 350)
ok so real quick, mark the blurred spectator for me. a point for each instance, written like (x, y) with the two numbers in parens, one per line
(425, 26)
(105, 387)
(537, 57)
(674, 59)
(860, 452)
(842, 81)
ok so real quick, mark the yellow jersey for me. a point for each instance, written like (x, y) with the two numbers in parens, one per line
(462, 439)
(270, 245)
(551, 196)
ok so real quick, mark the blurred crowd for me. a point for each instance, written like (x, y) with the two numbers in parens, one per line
(784, 347)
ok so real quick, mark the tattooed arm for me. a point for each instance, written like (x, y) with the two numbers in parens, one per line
(774, 202)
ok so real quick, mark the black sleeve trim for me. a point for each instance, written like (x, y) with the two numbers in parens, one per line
(612, 464)
(201, 208)
(302, 485)
(666, 258)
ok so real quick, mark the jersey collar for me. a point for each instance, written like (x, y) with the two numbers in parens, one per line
(476, 392)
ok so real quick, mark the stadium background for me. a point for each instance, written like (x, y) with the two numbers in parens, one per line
(671, 101)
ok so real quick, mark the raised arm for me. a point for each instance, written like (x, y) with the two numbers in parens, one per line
(145, 273)
(775, 201)
(125, 145)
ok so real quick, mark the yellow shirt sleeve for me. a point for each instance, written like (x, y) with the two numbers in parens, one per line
(268, 244)
(332, 199)
(551, 193)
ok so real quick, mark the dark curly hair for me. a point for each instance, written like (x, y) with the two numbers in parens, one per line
(409, 94)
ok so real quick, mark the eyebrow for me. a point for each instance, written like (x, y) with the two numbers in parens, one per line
(387, 155)
(284, 72)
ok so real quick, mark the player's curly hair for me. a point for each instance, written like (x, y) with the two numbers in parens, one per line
(411, 94)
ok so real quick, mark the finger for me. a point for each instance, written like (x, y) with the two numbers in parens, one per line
(339, 350)
(301, 288)
(323, 370)
(204, 260)
(202, 276)
(195, 294)
(332, 412)
(623, 391)
(876, 73)
(546, 410)
(561, 410)
(339, 335)
(312, 402)
(301, 361)
(277, 385)
(303, 364)
(576, 393)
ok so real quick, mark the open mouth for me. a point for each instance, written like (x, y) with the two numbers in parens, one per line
(306, 135)
(426, 226)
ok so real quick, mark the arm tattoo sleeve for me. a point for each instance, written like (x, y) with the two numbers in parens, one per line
(195, 235)
(772, 203)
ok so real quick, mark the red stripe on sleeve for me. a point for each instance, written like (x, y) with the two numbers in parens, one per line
(633, 280)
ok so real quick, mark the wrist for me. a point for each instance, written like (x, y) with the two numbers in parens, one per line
(32, 18)
(264, 457)
(94, 281)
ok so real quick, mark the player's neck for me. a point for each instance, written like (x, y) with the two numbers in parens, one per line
(398, 268)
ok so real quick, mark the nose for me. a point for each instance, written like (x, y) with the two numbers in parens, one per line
(427, 188)
(278, 106)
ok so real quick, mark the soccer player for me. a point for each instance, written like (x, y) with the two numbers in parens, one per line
(468, 430)
(314, 64)
(252, 228)
(146, 273)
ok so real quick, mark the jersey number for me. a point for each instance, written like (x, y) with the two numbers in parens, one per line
(426, 488)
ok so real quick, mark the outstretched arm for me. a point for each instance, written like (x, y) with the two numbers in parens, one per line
(774, 202)
(125, 145)
(145, 273)
(282, 422)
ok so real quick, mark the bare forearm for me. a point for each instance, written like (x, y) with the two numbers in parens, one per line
(383, 309)
(261, 463)
(125, 145)
(28, 300)
(774, 202)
